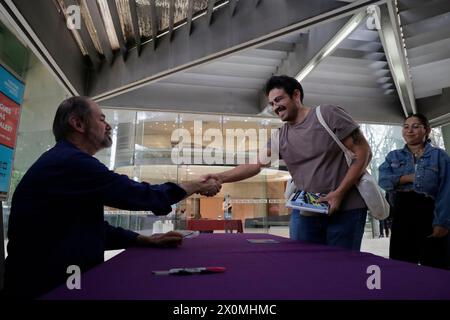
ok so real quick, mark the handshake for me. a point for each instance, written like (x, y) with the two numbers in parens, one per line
(208, 185)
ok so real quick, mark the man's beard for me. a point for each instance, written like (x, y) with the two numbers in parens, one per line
(107, 142)
(103, 144)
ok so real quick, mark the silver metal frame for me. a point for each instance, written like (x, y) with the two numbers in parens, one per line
(395, 54)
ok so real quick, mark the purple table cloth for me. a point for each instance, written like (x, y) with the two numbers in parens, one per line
(204, 225)
(287, 270)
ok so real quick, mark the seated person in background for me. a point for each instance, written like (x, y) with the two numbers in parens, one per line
(418, 178)
(57, 217)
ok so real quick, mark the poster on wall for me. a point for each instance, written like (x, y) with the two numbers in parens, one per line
(9, 120)
(11, 95)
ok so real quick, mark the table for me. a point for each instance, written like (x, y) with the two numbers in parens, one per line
(207, 225)
(287, 270)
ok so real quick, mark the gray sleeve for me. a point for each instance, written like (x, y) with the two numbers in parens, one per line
(340, 122)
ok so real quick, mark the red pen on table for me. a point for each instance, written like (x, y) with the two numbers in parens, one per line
(189, 271)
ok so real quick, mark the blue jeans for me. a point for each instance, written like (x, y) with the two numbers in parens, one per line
(342, 229)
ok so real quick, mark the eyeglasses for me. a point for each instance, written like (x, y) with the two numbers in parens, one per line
(414, 126)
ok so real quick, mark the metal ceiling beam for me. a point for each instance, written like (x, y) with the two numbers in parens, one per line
(376, 110)
(308, 46)
(154, 21)
(184, 97)
(356, 70)
(337, 89)
(44, 31)
(190, 13)
(358, 82)
(224, 82)
(436, 108)
(251, 61)
(257, 2)
(232, 6)
(250, 27)
(86, 39)
(343, 61)
(428, 10)
(358, 54)
(101, 31)
(209, 10)
(332, 43)
(171, 18)
(279, 46)
(118, 29)
(395, 54)
(135, 22)
(431, 76)
(188, 98)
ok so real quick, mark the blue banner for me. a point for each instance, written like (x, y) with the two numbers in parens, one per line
(10, 86)
(6, 157)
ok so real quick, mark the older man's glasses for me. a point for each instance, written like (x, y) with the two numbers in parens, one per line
(413, 126)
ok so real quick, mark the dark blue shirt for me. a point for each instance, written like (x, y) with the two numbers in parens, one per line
(57, 217)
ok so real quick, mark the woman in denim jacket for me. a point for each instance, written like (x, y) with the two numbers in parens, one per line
(419, 178)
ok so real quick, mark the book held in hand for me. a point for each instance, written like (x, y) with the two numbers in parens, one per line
(307, 201)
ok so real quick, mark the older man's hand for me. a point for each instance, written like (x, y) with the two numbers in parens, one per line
(206, 187)
(165, 240)
(209, 187)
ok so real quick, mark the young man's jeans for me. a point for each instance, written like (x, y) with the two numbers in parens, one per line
(342, 229)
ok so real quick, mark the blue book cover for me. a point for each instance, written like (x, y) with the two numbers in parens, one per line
(307, 201)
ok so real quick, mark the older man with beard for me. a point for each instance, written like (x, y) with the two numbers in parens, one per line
(57, 217)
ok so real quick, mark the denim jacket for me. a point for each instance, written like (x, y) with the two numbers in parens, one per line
(432, 177)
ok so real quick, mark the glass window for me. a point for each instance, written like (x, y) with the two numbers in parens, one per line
(184, 147)
(437, 138)
(42, 96)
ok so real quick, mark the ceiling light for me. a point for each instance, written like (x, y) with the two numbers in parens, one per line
(329, 48)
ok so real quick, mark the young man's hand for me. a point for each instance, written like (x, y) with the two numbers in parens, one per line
(209, 187)
(334, 200)
(438, 232)
(214, 176)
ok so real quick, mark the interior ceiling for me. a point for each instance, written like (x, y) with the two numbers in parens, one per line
(214, 56)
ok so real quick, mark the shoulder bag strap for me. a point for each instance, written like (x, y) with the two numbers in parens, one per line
(348, 154)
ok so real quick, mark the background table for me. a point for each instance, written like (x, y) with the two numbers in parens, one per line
(207, 225)
(286, 270)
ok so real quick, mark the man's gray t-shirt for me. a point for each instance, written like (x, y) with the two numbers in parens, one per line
(314, 160)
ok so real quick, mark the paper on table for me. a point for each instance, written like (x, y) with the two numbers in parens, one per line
(189, 271)
(262, 241)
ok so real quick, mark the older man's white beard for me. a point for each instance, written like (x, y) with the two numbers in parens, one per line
(98, 145)
(107, 142)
